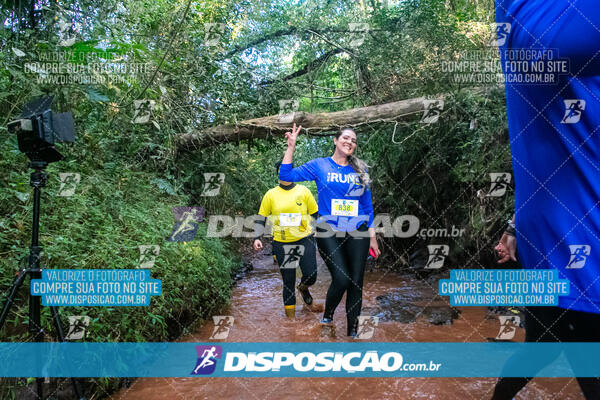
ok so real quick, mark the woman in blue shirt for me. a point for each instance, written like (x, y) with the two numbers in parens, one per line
(345, 231)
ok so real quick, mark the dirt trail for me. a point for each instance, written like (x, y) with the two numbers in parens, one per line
(257, 307)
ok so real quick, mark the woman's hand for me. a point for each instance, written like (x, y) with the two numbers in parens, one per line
(291, 142)
(506, 248)
(293, 135)
(373, 244)
(257, 244)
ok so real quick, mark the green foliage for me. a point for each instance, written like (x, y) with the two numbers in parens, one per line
(435, 173)
(132, 174)
(114, 210)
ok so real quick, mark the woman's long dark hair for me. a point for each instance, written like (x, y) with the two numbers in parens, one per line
(358, 165)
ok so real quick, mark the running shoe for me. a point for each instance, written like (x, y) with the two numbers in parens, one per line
(303, 289)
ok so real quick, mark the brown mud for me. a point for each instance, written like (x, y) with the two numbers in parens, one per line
(408, 311)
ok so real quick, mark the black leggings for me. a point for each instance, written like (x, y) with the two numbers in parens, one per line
(345, 258)
(288, 256)
(553, 324)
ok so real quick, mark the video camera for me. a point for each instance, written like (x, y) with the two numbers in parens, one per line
(38, 130)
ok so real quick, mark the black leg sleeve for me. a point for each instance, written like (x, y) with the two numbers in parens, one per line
(583, 327)
(288, 274)
(331, 252)
(542, 324)
(356, 250)
(308, 263)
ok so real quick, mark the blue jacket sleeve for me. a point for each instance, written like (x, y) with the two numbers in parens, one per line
(305, 172)
(367, 206)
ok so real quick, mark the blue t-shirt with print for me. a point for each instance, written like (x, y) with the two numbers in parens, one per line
(555, 139)
(344, 202)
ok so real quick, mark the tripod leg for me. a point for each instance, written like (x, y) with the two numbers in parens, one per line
(61, 337)
(11, 296)
(35, 329)
(34, 321)
(57, 324)
(37, 181)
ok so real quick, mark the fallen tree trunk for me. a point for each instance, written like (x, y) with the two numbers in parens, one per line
(311, 123)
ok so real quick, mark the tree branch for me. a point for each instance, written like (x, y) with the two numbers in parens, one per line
(290, 31)
(311, 123)
(314, 64)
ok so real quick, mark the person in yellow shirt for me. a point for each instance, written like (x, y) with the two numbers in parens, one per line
(290, 208)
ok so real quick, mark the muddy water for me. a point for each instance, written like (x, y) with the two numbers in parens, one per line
(257, 307)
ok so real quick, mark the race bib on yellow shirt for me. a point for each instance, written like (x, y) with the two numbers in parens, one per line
(290, 219)
(345, 208)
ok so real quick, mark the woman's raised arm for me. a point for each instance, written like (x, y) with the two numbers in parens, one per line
(291, 141)
(287, 173)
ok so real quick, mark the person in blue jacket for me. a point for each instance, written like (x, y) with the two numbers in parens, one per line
(345, 232)
(554, 135)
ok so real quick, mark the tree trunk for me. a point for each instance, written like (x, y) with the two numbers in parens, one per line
(311, 123)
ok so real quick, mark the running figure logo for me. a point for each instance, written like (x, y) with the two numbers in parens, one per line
(499, 183)
(223, 323)
(287, 109)
(186, 223)
(212, 183)
(355, 187)
(77, 326)
(500, 31)
(437, 255)
(68, 183)
(579, 254)
(66, 40)
(143, 111)
(508, 326)
(359, 32)
(207, 359)
(212, 33)
(366, 326)
(390, 3)
(573, 110)
(292, 255)
(432, 110)
(148, 254)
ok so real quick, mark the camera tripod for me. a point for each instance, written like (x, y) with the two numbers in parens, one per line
(38, 181)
